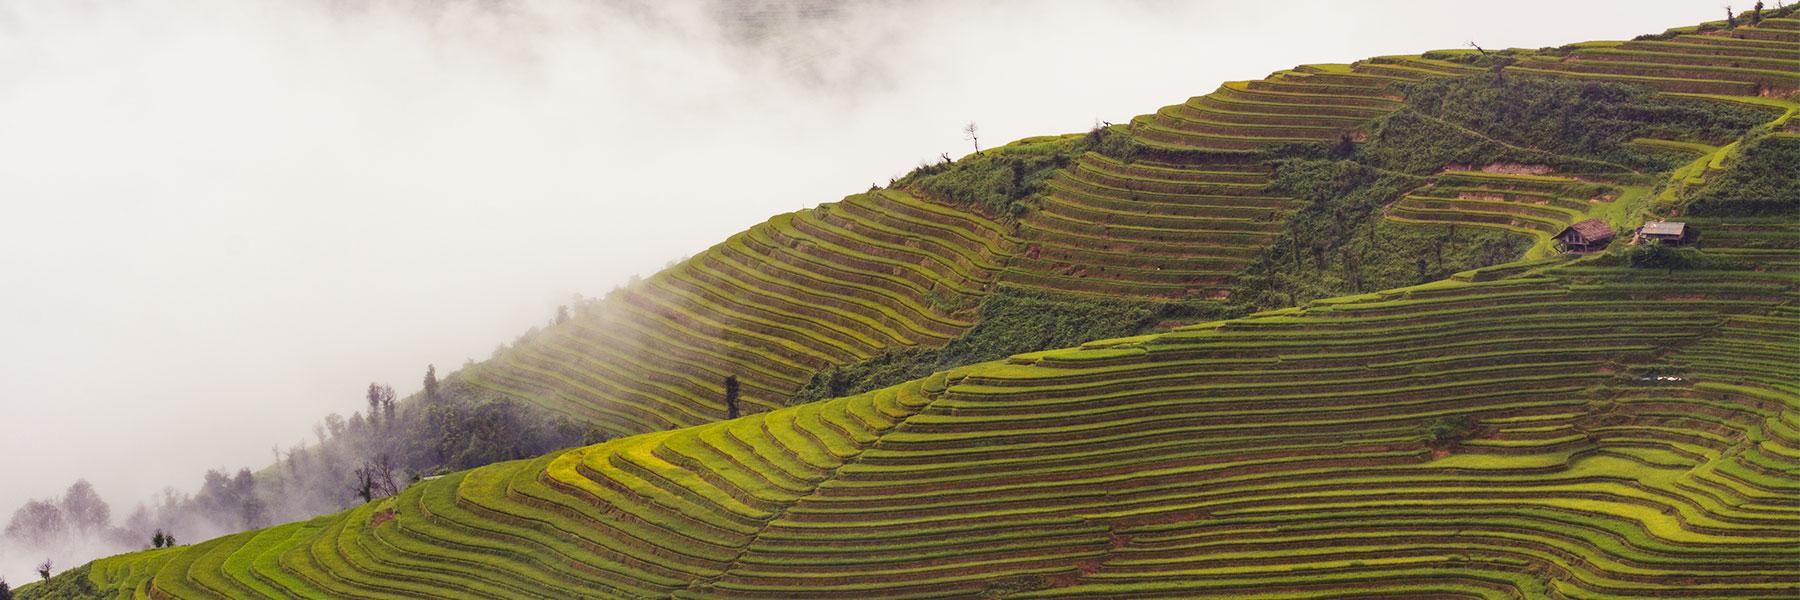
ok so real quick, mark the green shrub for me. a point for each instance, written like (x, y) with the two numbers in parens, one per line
(1675, 258)
(1450, 430)
(1113, 142)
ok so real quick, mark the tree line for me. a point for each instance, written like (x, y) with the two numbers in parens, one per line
(448, 425)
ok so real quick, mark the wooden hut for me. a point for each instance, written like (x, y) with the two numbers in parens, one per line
(1665, 232)
(1586, 236)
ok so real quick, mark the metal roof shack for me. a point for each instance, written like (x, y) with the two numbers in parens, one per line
(1668, 232)
(1586, 236)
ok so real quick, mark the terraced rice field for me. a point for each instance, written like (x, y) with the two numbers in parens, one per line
(1629, 433)
(1310, 103)
(883, 270)
(849, 280)
(1560, 428)
(771, 306)
(1746, 61)
(1535, 205)
(1183, 224)
(1148, 229)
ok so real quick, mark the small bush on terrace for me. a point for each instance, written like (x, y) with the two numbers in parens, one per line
(1450, 430)
(1652, 255)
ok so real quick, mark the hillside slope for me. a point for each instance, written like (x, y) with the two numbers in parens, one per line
(1575, 429)
(1175, 207)
(1614, 425)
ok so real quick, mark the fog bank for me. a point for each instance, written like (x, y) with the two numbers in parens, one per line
(221, 219)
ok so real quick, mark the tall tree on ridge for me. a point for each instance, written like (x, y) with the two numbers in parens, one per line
(431, 383)
(381, 403)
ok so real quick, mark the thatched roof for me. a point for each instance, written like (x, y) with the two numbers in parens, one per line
(1589, 231)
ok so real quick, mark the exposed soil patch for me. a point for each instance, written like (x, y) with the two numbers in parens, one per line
(381, 516)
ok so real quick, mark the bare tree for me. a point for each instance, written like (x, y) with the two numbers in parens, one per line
(38, 523)
(1730, 18)
(375, 479)
(973, 134)
(84, 510)
(44, 568)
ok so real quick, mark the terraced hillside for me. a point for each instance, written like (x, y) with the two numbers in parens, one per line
(771, 306)
(898, 269)
(1185, 221)
(1178, 218)
(1535, 205)
(1745, 61)
(1616, 425)
(1568, 429)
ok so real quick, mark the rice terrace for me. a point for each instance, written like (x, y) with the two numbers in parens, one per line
(1477, 322)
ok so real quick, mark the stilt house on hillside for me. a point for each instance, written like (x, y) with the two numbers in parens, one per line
(1664, 232)
(1586, 236)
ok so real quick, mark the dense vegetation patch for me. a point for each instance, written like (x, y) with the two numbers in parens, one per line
(1583, 119)
(1416, 143)
(1764, 181)
(996, 182)
(1339, 243)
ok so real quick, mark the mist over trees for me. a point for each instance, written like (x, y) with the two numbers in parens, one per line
(449, 425)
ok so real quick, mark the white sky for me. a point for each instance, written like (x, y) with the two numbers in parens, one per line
(220, 219)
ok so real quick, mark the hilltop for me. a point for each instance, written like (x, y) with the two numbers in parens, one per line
(1318, 341)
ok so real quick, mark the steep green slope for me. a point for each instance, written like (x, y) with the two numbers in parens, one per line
(771, 306)
(1176, 217)
(1621, 425)
(1180, 211)
(1577, 429)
